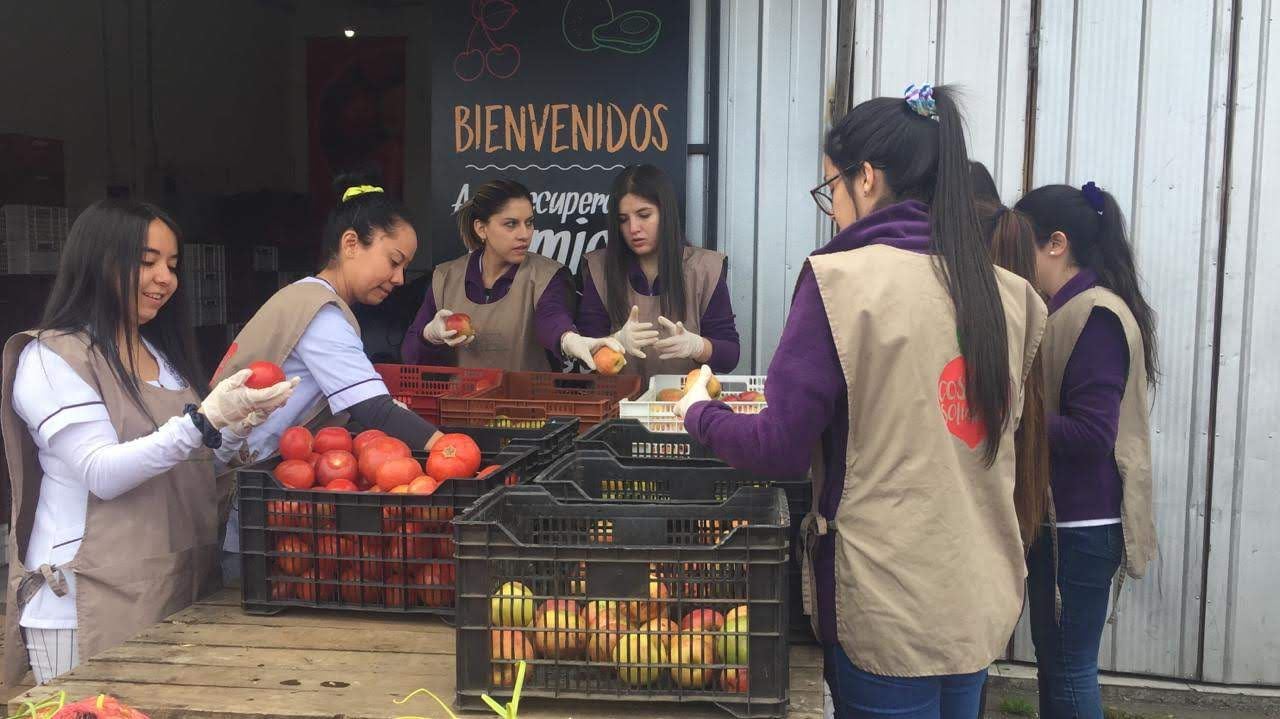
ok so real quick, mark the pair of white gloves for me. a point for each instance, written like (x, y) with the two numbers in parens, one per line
(680, 343)
(240, 408)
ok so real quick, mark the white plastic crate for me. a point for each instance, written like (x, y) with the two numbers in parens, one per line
(31, 239)
(660, 416)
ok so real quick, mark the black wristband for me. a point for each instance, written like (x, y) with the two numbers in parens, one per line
(212, 437)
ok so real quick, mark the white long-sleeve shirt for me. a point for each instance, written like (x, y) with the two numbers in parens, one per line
(80, 453)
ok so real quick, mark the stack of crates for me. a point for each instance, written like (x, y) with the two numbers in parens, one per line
(204, 279)
(31, 239)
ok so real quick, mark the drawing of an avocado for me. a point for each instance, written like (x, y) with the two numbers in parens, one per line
(631, 32)
(580, 18)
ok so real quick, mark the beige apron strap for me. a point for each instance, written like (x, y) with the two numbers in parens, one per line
(813, 527)
(32, 581)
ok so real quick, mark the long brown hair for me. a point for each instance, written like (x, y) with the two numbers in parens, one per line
(1013, 236)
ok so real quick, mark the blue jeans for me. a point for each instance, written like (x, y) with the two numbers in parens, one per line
(861, 695)
(1067, 652)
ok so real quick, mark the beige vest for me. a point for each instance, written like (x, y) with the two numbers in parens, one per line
(1133, 441)
(505, 336)
(929, 567)
(274, 331)
(702, 270)
(145, 554)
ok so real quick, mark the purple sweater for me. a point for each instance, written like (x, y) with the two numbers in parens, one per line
(1082, 439)
(552, 315)
(807, 393)
(716, 324)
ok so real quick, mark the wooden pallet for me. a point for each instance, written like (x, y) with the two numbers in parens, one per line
(212, 661)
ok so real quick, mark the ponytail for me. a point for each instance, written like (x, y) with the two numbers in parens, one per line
(1012, 239)
(1095, 228)
(362, 206)
(957, 240)
(919, 145)
(485, 201)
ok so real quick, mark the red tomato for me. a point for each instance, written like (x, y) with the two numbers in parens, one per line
(336, 464)
(435, 574)
(293, 545)
(327, 551)
(397, 472)
(488, 471)
(360, 556)
(396, 594)
(341, 485)
(263, 375)
(363, 439)
(319, 590)
(378, 452)
(295, 443)
(295, 474)
(331, 438)
(354, 593)
(453, 456)
(423, 485)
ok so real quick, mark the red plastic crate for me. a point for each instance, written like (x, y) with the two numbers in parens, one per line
(420, 387)
(530, 398)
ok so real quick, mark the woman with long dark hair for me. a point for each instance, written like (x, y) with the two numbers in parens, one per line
(664, 300)
(108, 445)
(1100, 360)
(900, 371)
(520, 302)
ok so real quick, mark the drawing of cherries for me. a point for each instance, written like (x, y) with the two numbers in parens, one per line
(501, 60)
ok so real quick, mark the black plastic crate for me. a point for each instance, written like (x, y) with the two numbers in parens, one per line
(630, 566)
(621, 460)
(360, 550)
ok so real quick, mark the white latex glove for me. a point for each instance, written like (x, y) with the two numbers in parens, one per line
(231, 403)
(681, 344)
(435, 333)
(575, 345)
(245, 426)
(636, 335)
(697, 392)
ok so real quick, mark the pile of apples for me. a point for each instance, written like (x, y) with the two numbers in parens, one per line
(632, 638)
(372, 462)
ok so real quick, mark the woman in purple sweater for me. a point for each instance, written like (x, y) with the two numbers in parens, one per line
(1082, 253)
(900, 370)
(664, 300)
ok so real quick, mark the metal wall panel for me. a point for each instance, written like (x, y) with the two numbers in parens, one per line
(1242, 622)
(1109, 109)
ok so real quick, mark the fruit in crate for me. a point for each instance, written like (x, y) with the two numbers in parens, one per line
(561, 636)
(512, 645)
(356, 590)
(609, 361)
(295, 554)
(295, 474)
(336, 464)
(319, 588)
(642, 653)
(670, 394)
(557, 605)
(735, 680)
(694, 653)
(640, 612)
(751, 396)
(341, 485)
(396, 594)
(377, 453)
(453, 455)
(295, 443)
(702, 620)
(460, 322)
(423, 484)
(601, 611)
(732, 642)
(397, 472)
(601, 641)
(363, 439)
(713, 384)
(438, 580)
(662, 628)
(331, 438)
(263, 375)
(512, 606)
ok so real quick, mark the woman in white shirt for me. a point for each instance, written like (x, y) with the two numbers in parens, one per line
(115, 506)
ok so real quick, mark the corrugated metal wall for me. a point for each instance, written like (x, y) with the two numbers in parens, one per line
(1134, 96)
(1242, 622)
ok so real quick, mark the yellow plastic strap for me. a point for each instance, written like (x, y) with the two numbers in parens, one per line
(359, 190)
(505, 712)
(46, 708)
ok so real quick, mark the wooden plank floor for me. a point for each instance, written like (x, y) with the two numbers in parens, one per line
(213, 661)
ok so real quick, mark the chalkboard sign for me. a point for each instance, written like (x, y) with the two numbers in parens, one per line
(559, 95)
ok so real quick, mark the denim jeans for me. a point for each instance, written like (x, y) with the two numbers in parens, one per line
(862, 695)
(1067, 651)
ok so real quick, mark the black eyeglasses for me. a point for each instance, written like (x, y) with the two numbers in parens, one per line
(822, 193)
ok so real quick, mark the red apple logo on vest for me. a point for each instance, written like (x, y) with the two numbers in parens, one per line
(961, 422)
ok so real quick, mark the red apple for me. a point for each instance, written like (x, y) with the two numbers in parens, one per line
(460, 322)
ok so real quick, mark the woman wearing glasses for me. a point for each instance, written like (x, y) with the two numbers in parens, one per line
(900, 373)
(666, 302)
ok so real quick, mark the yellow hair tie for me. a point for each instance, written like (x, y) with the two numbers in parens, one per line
(359, 190)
